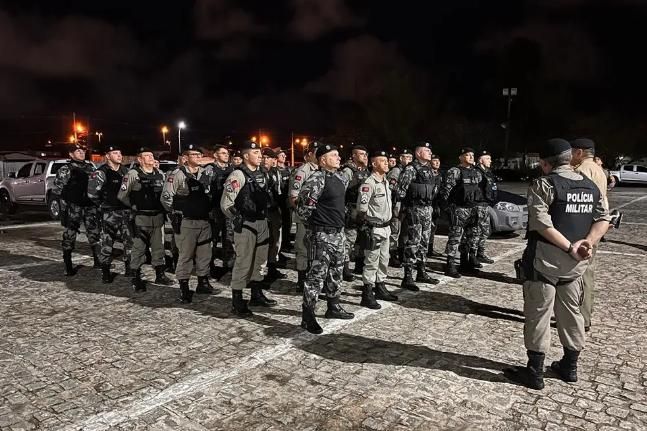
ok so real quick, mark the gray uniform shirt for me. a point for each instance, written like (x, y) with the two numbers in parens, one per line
(374, 199)
(176, 184)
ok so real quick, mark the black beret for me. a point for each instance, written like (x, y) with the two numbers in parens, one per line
(109, 148)
(191, 147)
(268, 152)
(392, 156)
(237, 153)
(312, 147)
(323, 149)
(380, 153)
(250, 145)
(423, 144)
(583, 143)
(435, 156)
(360, 147)
(144, 150)
(466, 150)
(77, 146)
(484, 153)
(278, 151)
(554, 147)
(405, 151)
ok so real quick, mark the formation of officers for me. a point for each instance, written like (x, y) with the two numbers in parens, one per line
(377, 210)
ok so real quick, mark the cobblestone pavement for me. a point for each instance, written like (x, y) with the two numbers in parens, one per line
(76, 354)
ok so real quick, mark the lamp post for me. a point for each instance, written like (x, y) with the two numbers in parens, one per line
(181, 125)
(509, 93)
(99, 135)
(164, 132)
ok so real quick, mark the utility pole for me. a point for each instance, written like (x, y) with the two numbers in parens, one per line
(509, 93)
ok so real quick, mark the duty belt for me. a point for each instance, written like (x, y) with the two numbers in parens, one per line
(148, 212)
(385, 224)
(326, 229)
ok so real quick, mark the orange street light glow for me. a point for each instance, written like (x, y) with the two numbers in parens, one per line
(164, 129)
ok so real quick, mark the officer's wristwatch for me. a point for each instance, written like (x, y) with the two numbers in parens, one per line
(570, 248)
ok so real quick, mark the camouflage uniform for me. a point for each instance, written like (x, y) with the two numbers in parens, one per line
(392, 177)
(221, 226)
(296, 181)
(286, 214)
(355, 176)
(274, 215)
(103, 188)
(326, 238)
(462, 195)
(71, 185)
(490, 190)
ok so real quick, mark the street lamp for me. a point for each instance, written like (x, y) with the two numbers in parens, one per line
(181, 125)
(164, 132)
(509, 93)
(99, 135)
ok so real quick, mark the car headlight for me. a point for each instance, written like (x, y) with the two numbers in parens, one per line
(507, 206)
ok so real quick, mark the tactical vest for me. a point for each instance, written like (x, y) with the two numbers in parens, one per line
(253, 199)
(218, 183)
(490, 189)
(352, 192)
(76, 189)
(111, 187)
(147, 199)
(285, 179)
(424, 187)
(330, 209)
(468, 190)
(274, 187)
(197, 204)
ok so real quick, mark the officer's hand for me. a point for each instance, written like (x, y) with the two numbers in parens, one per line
(582, 250)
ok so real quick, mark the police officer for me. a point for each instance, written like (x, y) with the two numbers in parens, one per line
(374, 213)
(566, 218)
(302, 173)
(237, 159)
(461, 194)
(71, 188)
(221, 227)
(490, 192)
(393, 161)
(321, 205)
(245, 200)
(417, 188)
(392, 176)
(435, 168)
(273, 214)
(356, 171)
(103, 188)
(140, 191)
(583, 150)
(187, 198)
(286, 213)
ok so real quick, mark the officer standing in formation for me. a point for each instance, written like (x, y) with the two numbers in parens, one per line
(461, 194)
(490, 193)
(274, 214)
(187, 198)
(103, 188)
(245, 200)
(396, 243)
(141, 190)
(417, 187)
(566, 218)
(356, 171)
(286, 213)
(321, 206)
(300, 176)
(393, 161)
(221, 227)
(583, 150)
(435, 168)
(374, 213)
(71, 189)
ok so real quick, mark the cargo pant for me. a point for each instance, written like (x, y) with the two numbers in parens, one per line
(275, 222)
(221, 230)
(300, 248)
(463, 233)
(193, 242)
(540, 299)
(484, 229)
(588, 285)
(376, 261)
(326, 255)
(115, 227)
(75, 215)
(250, 245)
(419, 222)
(395, 229)
(148, 233)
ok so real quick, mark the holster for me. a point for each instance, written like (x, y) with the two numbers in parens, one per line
(365, 238)
(176, 222)
(64, 213)
(238, 223)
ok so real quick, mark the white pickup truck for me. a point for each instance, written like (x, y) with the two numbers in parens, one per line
(31, 186)
(630, 174)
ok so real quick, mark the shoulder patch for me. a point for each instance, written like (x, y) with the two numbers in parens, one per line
(170, 178)
(298, 178)
(235, 185)
(365, 189)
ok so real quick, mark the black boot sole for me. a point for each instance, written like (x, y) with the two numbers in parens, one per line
(555, 368)
(316, 330)
(520, 375)
(247, 313)
(372, 306)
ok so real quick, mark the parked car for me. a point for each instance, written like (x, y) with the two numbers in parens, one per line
(31, 186)
(630, 174)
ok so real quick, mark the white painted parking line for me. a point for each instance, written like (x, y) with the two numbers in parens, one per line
(211, 378)
(631, 202)
(30, 225)
(630, 223)
(621, 253)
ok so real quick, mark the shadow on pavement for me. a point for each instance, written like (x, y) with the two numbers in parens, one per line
(494, 276)
(638, 246)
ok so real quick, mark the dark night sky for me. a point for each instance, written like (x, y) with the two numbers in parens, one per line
(385, 72)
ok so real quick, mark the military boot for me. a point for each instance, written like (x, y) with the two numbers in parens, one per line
(273, 274)
(106, 276)
(359, 266)
(467, 265)
(160, 277)
(483, 258)
(422, 276)
(301, 278)
(394, 261)
(407, 281)
(531, 375)
(309, 321)
(137, 282)
(128, 272)
(186, 294)
(452, 271)
(203, 286)
(368, 298)
(474, 261)
(239, 305)
(347, 274)
(382, 293)
(258, 298)
(69, 267)
(96, 251)
(335, 311)
(566, 368)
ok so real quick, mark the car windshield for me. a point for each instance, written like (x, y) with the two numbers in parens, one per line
(513, 198)
(57, 166)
